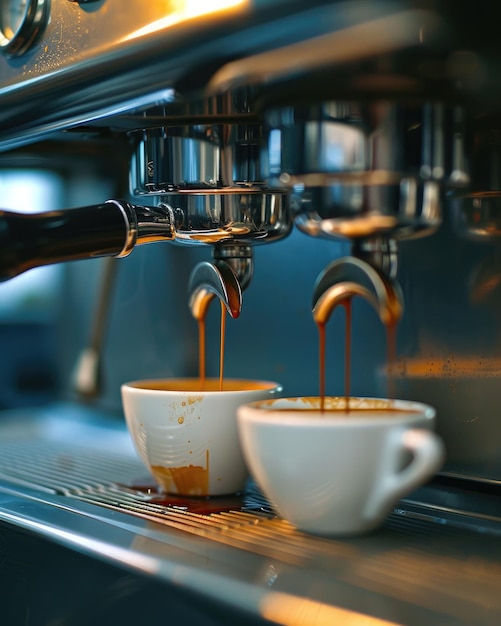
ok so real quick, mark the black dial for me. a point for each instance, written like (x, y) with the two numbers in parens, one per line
(21, 22)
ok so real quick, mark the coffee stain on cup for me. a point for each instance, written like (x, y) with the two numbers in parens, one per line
(188, 480)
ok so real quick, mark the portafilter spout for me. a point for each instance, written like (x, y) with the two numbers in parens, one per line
(209, 280)
(226, 277)
(348, 277)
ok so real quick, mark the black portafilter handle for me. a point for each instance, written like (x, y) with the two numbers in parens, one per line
(29, 240)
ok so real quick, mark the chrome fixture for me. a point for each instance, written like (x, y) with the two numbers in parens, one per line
(209, 172)
(372, 172)
(477, 212)
(348, 277)
(214, 279)
(365, 170)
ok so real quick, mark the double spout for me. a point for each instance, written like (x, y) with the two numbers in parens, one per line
(225, 278)
(209, 280)
(348, 277)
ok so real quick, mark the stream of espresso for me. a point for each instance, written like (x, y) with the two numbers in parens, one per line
(391, 357)
(321, 364)
(221, 347)
(347, 353)
(201, 352)
(202, 349)
(347, 357)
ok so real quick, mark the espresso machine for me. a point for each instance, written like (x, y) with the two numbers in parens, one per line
(282, 157)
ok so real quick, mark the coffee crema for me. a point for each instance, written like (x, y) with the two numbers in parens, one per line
(209, 384)
(349, 412)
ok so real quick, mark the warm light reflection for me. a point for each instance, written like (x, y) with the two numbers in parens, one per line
(182, 10)
(289, 610)
(364, 40)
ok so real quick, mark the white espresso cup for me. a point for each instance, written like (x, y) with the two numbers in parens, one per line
(187, 436)
(338, 471)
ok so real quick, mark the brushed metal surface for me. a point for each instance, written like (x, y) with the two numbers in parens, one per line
(105, 58)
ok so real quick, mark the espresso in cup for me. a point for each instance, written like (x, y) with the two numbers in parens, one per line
(338, 471)
(203, 385)
(185, 431)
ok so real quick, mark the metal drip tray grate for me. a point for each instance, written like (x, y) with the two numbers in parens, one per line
(118, 482)
(70, 471)
(107, 480)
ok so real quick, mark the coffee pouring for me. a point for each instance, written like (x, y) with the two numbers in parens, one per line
(384, 149)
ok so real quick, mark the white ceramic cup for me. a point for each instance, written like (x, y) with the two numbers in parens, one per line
(338, 472)
(187, 437)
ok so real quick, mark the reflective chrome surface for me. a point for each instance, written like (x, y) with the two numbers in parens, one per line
(349, 277)
(358, 170)
(211, 175)
(213, 279)
(235, 214)
(21, 23)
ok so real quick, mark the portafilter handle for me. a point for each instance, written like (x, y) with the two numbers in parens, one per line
(29, 240)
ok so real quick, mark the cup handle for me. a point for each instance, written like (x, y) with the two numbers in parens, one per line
(428, 454)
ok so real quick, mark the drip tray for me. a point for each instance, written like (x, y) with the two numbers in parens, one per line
(73, 477)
